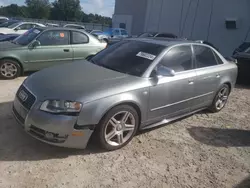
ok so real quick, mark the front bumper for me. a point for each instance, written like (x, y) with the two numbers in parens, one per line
(53, 129)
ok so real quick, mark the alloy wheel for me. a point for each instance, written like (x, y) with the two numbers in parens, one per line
(222, 98)
(8, 69)
(120, 128)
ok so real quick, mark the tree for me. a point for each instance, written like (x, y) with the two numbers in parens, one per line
(13, 10)
(38, 8)
(68, 10)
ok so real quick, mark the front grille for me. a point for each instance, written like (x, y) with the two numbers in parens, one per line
(29, 100)
(20, 119)
(40, 133)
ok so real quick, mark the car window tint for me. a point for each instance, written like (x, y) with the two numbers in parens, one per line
(116, 32)
(204, 56)
(25, 26)
(178, 58)
(79, 38)
(129, 57)
(166, 35)
(56, 37)
(219, 61)
(123, 32)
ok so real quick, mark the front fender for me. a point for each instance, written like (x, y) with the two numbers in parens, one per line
(93, 112)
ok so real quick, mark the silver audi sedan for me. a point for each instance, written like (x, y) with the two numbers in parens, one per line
(133, 85)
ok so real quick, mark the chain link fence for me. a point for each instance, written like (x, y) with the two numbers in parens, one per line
(90, 26)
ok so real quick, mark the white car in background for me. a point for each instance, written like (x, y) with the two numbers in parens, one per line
(3, 19)
(19, 28)
(75, 26)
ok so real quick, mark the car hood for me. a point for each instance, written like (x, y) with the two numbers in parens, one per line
(80, 81)
(8, 46)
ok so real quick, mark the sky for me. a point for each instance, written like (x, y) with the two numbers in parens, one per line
(102, 7)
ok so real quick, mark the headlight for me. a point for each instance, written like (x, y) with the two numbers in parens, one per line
(61, 106)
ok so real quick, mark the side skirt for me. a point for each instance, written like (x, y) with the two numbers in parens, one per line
(165, 121)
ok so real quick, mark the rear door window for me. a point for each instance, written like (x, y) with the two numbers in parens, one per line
(79, 38)
(54, 37)
(26, 26)
(204, 56)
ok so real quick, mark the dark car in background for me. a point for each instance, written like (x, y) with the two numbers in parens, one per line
(8, 23)
(8, 37)
(244, 46)
(242, 55)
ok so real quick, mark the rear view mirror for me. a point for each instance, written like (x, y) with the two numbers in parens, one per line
(163, 71)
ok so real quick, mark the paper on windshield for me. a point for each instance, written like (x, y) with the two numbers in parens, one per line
(146, 55)
(36, 31)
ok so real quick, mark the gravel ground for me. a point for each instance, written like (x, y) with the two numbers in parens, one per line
(203, 150)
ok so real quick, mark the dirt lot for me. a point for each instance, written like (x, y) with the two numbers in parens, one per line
(204, 150)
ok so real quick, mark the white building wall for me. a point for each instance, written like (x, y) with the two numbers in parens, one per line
(195, 19)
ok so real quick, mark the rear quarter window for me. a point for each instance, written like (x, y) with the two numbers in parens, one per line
(204, 56)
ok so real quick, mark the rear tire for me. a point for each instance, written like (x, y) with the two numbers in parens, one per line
(117, 127)
(220, 99)
(9, 69)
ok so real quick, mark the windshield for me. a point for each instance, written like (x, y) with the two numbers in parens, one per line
(13, 25)
(27, 37)
(129, 57)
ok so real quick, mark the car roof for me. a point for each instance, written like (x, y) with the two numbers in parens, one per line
(21, 22)
(163, 41)
(58, 28)
(63, 28)
(73, 25)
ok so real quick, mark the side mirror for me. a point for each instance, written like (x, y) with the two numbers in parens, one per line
(17, 28)
(35, 43)
(163, 71)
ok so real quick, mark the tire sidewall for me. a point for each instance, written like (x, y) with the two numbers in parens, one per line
(13, 62)
(106, 118)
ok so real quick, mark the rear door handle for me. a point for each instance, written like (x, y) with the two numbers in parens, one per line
(66, 50)
(217, 75)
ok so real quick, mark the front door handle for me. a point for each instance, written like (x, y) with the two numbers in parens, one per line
(217, 75)
(66, 50)
(190, 82)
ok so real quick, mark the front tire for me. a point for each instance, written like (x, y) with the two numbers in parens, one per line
(220, 99)
(9, 69)
(117, 128)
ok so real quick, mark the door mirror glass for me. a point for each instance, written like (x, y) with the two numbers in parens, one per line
(35, 44)
(163, 71)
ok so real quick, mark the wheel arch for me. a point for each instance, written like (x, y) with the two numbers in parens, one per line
(129, 103)
(229, 85)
